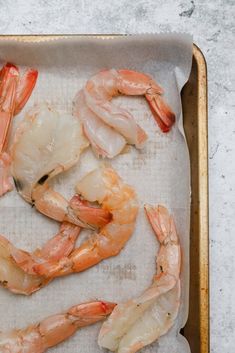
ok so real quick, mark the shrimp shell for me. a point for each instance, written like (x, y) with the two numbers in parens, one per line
(53, 330)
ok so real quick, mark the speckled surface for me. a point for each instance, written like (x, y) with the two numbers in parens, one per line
(212, 24)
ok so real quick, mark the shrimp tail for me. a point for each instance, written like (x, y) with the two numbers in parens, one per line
(9, 76)
(8, 81)
(77, 211)
(162, 113)
(94, 216)
(161, 222)
(24, 90)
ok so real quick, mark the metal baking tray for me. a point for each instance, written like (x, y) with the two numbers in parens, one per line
(194, 103)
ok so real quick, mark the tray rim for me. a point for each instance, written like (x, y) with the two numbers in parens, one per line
(202, 169)
(203, 199)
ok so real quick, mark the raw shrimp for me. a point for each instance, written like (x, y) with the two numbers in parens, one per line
(98, 93)
(142, 320)
(9, 76)
(26, 273)
(46, 144)
(25, 88)
(14, 93)
(106, 187)
(51, 331)
(62, 244)
(17, 266)
(12, 276)
(105, 141)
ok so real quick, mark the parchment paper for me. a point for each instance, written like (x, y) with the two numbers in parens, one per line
(160, 173)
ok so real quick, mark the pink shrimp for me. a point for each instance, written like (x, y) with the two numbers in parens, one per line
(51, 331)
(100, 111)
(140, 321)
(17, 266)
(14, 93)
(25, 88)
(62, 244)
(103, 185)
(9, 76)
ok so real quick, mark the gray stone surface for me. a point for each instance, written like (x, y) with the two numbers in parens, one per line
(212, 24)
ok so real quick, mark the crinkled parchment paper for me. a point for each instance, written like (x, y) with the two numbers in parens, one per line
(160, 173)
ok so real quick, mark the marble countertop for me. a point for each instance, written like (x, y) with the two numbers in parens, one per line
(212, 24)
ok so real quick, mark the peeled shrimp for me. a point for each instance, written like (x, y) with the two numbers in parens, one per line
(25, 273)
(62, 244)
(97, 94)
(142, 320)
(106, 187)
(49, 332)
(46, 144)
(8, 82)
(105, 141)
(14, 93)
(17, 266)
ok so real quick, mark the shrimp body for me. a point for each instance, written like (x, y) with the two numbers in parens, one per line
(107, 188)
(51, 331)
(105, 141)
(17, 272)
(46, 144)
(14, 93)
(142, 320)
(25, 273)
(9, 76)
(97, 95)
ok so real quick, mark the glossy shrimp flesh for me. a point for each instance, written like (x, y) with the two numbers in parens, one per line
(142, 320)
(17, 266)
(25, 273)
(46, 144)
(99, 110)
(107, 188)
(51, 331)
(15, 91)
(104, 140)
(9, 76)
(62, 244)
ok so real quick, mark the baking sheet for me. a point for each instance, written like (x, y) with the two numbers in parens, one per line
(160, 174)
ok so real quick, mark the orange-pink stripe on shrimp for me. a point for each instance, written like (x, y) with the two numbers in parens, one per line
(94, 102)
(37, 338)
(14, 93)
(17, 272)
(143, 319)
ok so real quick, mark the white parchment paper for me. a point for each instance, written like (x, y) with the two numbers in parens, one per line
(160, 173)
